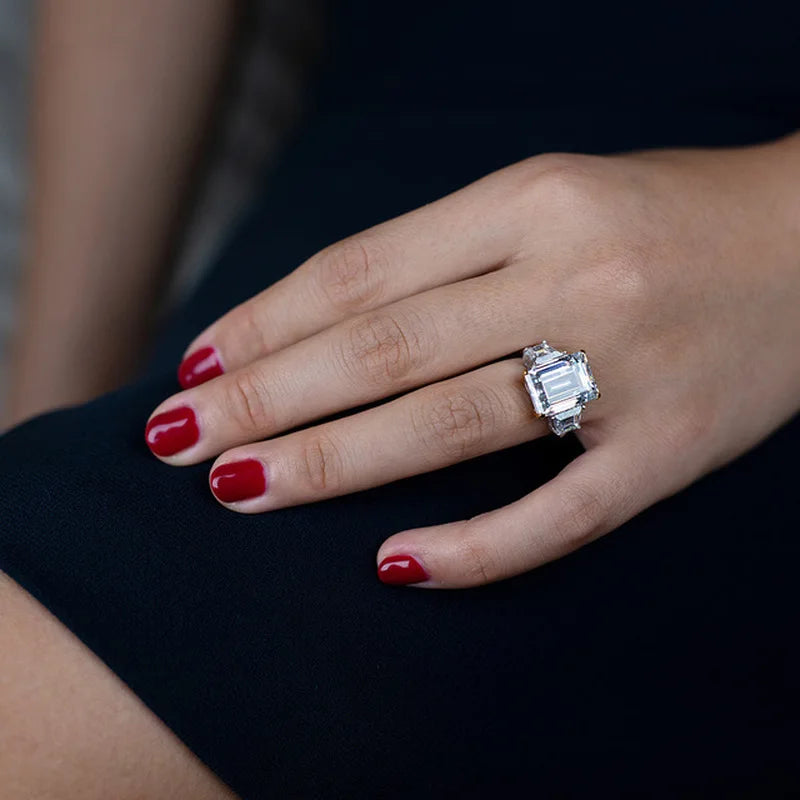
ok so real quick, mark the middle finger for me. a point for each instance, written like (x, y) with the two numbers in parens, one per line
(433, 335)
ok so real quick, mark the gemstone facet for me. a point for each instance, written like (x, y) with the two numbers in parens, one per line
(559, 384)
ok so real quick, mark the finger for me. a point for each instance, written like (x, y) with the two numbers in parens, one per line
(415, 341)
(447, 240)
(436, 426)
(591, 496)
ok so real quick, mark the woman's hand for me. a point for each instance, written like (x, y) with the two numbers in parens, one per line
(678, 272)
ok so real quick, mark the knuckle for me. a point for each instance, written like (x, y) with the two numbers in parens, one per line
(690, 430)
(351, 273)
(456, 423)
(620, 275)
(584, 513)
(246, 325)
(383, 349)
(249, 402)
(478, 561)
(322, 464)
(566, 180)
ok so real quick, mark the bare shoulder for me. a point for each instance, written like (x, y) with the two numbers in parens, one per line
(70, 729)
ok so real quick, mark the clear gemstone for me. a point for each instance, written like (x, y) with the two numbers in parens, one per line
(562, 424)
(528, 357)
(536, 393)
(560, 387)
(540, 354)
(562, 380)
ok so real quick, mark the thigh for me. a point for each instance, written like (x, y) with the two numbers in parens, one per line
(267, 644)
(72, 730)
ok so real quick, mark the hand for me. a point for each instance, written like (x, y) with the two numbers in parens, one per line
(678, 272)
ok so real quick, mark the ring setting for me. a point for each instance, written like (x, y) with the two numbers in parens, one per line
(560, 384)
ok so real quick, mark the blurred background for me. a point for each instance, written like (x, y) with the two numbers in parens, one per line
(15, 28)
(260, 96)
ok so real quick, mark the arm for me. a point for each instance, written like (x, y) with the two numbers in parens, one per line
(122, 91)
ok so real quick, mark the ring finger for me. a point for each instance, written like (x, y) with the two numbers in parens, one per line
(441, 424)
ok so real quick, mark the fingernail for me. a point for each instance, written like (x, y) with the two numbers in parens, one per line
(239, 480)
(199, 367)
(172, 431)
(401, 569)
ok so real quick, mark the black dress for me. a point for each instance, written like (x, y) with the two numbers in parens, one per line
(661, 660)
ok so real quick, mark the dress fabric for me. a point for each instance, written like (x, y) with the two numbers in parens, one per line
(661, 660)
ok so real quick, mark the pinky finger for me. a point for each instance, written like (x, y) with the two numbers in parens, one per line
(591, 496)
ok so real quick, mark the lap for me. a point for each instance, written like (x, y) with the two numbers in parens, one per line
(71, 729)
(267, 644)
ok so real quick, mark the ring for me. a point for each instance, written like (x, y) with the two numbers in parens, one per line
(560, 385)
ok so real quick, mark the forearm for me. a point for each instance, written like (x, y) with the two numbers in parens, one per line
(122, 92)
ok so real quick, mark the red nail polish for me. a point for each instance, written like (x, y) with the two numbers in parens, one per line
(239, 480)
(199, 367)
(401, 569)
(172, 431)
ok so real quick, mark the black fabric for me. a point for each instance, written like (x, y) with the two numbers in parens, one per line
(661, 660)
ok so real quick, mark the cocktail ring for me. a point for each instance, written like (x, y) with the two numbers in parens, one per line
(560, 385)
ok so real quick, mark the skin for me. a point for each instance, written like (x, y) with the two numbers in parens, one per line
(112, 159)
(111, 162)
(71, 730)
(677, 271)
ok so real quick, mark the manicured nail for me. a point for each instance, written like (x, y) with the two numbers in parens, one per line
(401, 569)
(199, 367)
(239, 480)
(172, 431)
